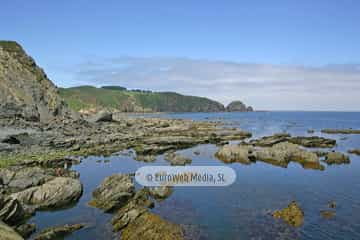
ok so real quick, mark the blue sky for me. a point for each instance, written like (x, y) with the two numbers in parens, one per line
(68, 38)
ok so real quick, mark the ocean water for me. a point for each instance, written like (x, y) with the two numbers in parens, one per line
(241, 211)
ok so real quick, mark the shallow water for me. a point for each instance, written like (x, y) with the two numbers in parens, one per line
(240, 211)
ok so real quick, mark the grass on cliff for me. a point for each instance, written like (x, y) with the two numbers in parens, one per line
(113, 97)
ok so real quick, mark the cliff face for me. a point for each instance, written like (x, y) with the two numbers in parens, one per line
(25, 89)
(238, 106)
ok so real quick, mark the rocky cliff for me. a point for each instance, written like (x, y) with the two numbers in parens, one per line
(238, 106)
(25, 90)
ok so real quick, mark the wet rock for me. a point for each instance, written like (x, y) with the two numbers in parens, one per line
(332, 204)
(292, 214)
(327, 214)
(127, 214)
(7, 233)
(236, 153)
(145, 158)
(56, 193)
(114, 192)
(355, 151)
(341, 131)
(310, 131)
(336, 158)
(148, 226)
(197, 152)
(102, 116)
(269, 141)
(312, 142)
(11, 211)
(279, 154)
(161, 192)
(19, 179)
(59, 232)
(177, 159)
(25, 230)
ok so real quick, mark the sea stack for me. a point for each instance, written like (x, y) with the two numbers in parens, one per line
(238, 106)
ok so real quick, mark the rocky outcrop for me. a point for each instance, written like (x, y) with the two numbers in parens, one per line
(355, 151)
(292, 214)
(59, 232)
(148, 226)
(7, 233)
(25, 90)
(11, 211)
(238, 106)
(113, 193)
(161, 192)
(336, 158)
(102, 116)
(341, 131)
(279, 154)
(176, 159)
(25, 230)
(59, 192)
(310, 142)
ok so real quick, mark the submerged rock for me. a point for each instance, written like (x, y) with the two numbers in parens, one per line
(7, 233)
(327, 214)
(292, 214)
(114, 192)
(59, 232)
(177, 159)
(341, 131)
(25, 230)
(161, 192)
(56, 193)
(336, 158)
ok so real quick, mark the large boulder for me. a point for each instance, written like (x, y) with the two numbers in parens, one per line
(235, 153)
(59, 192)
(7, 233)
(114, 192)
(59, 232)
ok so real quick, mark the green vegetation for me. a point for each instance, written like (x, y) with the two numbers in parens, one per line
(118, 98)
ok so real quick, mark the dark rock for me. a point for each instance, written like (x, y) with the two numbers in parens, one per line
(238, 106)
(25, 230)
(59, 232)
(11, 211)
(113, 193)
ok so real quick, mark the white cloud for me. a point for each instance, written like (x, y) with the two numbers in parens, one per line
(264, 86)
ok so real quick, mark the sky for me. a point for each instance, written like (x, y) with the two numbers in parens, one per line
(273, 55)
